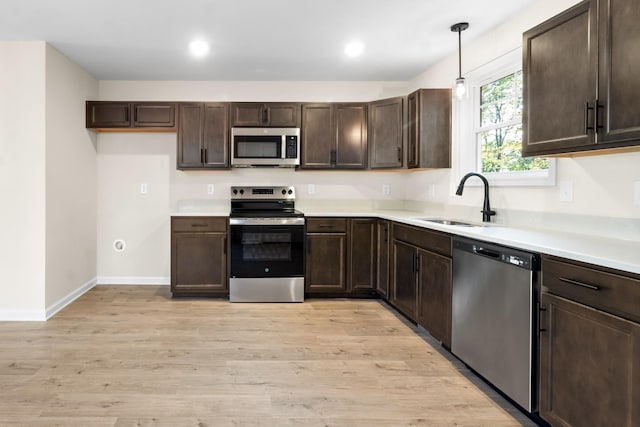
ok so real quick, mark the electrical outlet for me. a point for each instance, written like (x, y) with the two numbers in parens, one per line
(210, 189)
(386, 189)
(636, 193)
(143, 188)
(566, 191)
(311, 188)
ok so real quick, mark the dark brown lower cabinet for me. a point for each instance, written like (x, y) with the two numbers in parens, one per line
(404, 286)
(421, 269)
(589, 366)
(199, 256)
(383, 240)
(434, 293)
(326, 263)
(341, 256)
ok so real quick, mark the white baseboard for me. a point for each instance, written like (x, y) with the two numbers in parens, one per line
(134, 280)
(69, 298)
(23, 315)
(49, 312)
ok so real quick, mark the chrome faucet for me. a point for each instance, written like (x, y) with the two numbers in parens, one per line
(486, 208)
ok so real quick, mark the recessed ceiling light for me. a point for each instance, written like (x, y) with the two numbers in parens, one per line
(199, 48)
(354, 49)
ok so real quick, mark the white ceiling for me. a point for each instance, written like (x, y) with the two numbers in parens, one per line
(261, 40)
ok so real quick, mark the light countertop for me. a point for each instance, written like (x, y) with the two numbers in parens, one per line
(613, 253)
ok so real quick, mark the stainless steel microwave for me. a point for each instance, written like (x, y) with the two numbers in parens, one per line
(278, 147)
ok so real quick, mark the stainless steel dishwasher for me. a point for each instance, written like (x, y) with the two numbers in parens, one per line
(492, 329)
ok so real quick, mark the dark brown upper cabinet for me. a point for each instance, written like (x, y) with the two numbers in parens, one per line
(334, 136)
(271, 114)
(203, 135)
(386, 132)
(580, 86)
(429, 129)
(131, 116)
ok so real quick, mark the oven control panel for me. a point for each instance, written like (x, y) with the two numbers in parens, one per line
(262, 193)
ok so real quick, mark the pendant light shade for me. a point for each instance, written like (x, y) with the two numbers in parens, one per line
(460, 90)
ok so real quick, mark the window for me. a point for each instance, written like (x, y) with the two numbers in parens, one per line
(490, 138)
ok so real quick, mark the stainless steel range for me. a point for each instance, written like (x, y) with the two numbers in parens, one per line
(267, 245)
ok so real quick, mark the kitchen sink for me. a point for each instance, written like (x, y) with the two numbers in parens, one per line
(450, 222)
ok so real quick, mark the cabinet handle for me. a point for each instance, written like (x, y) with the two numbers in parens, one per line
(542, 310)
(386, 235)
(399, 154)
(199, 225)
(417, 263)
(204, 157)
(596, 116)
(333, 157)
(581, 284)
(587, 128)
(265, 115)
(324, 225)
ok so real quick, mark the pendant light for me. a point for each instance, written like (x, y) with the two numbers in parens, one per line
(461, 88)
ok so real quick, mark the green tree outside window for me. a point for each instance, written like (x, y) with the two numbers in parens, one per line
(500, 133)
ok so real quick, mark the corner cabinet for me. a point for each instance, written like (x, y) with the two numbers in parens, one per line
(131, 116)
(271, 114)
(589, 345)
(334, 136)
(203, 136)
(386, 131)
(581, 90)
(341, 256)
(199, 256)
(429, 129)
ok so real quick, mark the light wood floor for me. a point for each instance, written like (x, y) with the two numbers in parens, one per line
(132, 356)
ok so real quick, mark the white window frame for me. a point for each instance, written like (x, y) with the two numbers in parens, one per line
(467, 114)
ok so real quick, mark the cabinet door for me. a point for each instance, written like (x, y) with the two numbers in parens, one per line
(215, 140)
(106, 114)
(362, 254)
(318, 140)
(325, 264)
(248, 114)
(429, 128)
(283, 114)
(198, 263)
(383, 242)
(434, 306)
(619, 86)
(154, 114)
(589, 366)
(559, 76)
(404, 289)
(350, 121)
(385, 133)
(190, 150)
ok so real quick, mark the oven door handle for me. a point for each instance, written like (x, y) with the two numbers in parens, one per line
(266, 221)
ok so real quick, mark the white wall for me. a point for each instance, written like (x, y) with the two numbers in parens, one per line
(22, 180)
(71, 181)
(127, 160)
(603, 184)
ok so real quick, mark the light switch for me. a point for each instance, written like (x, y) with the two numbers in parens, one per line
(143, 188)
(210, 189)
(311, 188)
(386, 189)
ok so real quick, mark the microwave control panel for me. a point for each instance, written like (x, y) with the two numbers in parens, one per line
(291, 147)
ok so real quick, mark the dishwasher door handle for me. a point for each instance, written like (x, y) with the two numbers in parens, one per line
(479, 250)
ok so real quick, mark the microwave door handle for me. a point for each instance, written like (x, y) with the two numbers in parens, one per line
(283, 147)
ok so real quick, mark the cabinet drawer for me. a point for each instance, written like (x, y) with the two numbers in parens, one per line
(430, 240)
(198, 223)
(607, 291)
(326, 225)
